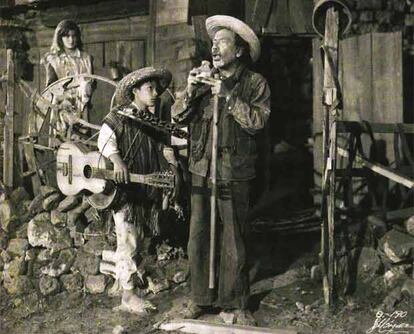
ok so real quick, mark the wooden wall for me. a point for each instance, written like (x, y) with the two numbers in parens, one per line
(371, 78)
(174, 40)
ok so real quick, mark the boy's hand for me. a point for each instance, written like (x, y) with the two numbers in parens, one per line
(121, 173)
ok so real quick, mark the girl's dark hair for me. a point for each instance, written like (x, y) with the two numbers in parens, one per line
(241, 43)
(61, 30)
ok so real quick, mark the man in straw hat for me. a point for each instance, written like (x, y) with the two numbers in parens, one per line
(244, 107)
(136, 148)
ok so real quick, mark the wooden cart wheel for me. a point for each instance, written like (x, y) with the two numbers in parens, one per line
(63, 98)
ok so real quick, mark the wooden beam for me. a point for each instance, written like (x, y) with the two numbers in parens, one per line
(152, 24)
(9, 122)
(347, 126)
(109, 10)
(380, 169)
(204, 327)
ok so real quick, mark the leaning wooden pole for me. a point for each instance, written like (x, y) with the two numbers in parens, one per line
(330, 101)
(8, 157)
(213, 196)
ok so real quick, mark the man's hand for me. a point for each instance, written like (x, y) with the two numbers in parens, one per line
(192, 81)
(121, 173)
(220, 89)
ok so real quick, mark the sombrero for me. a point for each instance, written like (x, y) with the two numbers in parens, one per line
(217, 22)
(123, 91)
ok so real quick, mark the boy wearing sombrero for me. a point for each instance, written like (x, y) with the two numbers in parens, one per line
(133, 148)
(244, 108)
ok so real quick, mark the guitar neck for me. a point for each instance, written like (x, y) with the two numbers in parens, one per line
(107, 174)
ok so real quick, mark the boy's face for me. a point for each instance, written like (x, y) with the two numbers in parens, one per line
(146, 93)
(70, 40)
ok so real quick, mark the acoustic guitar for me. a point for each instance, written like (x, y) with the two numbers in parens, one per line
(81, 170)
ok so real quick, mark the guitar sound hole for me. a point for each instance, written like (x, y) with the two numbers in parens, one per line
(87, 171)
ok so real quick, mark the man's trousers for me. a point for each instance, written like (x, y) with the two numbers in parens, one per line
(232, 281)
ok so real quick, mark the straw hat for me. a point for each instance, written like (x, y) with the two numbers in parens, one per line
(217, 22)
(124, 89)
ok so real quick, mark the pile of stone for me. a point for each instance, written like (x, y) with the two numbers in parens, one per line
(390, 258)
(51, 243)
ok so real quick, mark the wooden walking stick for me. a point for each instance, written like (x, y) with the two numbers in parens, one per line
(213, 196)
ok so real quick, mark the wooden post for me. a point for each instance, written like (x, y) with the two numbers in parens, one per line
(9, 122)
(330, 95)
(152, 23)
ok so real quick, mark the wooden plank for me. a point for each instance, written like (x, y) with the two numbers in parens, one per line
(137, 54)
(318, 111)
(131, 28)
(346, 126)
(174, 32)
(381, 170)
(257, 13)
(171, 12)
(151, 34)
(279, 21)
(357, 78)
(387, 83)
(29, 153)
(106, 10)
(204, 327)
(8, 158)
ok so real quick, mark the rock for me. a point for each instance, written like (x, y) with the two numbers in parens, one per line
(48, 285)
(377, 226)
(86, 264)
(316, 273)
(393, 298)
(19, 195)
(4, 239)
(58, 218)
(156, 286)
(69, 203)
(179, 277)
(61, 265)
(52, 201)
(36, 206)
(164, 252)
(408, 287)
(94, 228)
(397, 245)
(22, 231)
(92, 215)
(5, 256)
(369, 263)
(300, 306)
(18, 286)
(30, 258)
(96, 245)
(118, 329)
(42, 233)
(395, 275)
(45, 256)
(74, 214)
(17, 247)
(409, 225)
(16, 267)
(8, 217)
(46, 191)
(1, 264)
(95, 284)
(228, 317)
(72, 282)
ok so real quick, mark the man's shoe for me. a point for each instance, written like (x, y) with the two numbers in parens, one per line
(193, 311)
(245, 318)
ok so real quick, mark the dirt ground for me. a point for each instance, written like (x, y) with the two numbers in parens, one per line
(283, 296)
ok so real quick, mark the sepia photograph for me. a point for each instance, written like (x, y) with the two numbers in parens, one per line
(207, 166)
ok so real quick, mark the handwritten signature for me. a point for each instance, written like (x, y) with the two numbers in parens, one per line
(390, 323)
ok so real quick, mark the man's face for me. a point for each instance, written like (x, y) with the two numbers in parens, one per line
(224, 49)
(70, 40)
(147, 93)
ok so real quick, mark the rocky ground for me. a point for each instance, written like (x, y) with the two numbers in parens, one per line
(50, 282)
